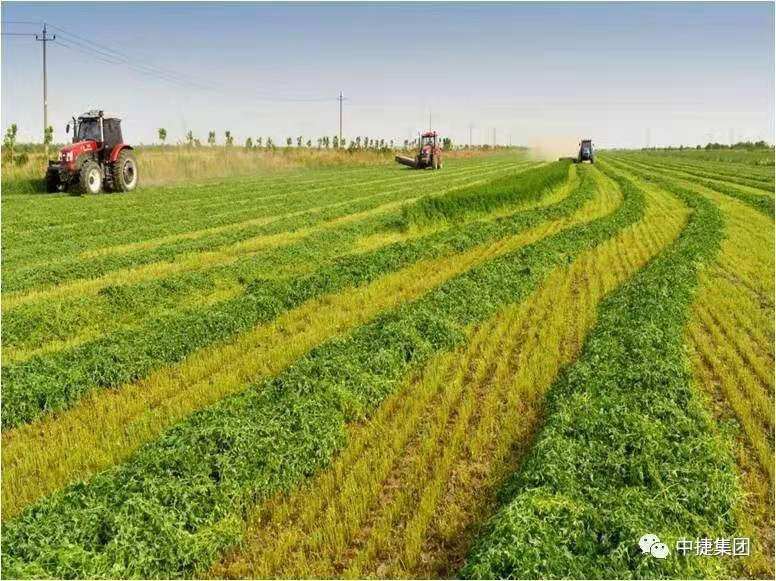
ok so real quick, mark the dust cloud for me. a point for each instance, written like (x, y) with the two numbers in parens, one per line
(551, 148)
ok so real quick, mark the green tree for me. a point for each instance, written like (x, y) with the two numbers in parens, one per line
(259, 142)
(9, 141)
(299, 141)
(336, 142)
(229, 138)
(270, 144)
(211, 138)
(48, 135)
(249, 143)
(309, 143)
(289, 141)
(190, 138)
(447, 143)
(162, 134)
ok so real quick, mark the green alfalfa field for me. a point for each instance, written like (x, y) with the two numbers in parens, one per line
(506, 368)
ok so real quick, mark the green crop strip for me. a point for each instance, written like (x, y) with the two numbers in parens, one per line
(29, 238)
(78, 225)
(740, 173)
(310, 212)
(48, 383)
(762, 203)
(485, 198)
(628, 448)
(179, 501)
(30, 325)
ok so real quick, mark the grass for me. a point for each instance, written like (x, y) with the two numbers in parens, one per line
(627, 443)
(161, 165)
(730, 336)
(122, 419)
(220, 460)
(485, 198)
(759, 199)
(361, 370)
(53, 382)
(414, 481)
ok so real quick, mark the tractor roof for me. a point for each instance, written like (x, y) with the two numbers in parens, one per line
(429, 134)
(96, 114)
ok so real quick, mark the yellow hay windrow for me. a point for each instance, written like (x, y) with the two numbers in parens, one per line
(107, 425)
(402, 498)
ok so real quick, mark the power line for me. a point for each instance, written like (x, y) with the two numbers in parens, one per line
(169, 76)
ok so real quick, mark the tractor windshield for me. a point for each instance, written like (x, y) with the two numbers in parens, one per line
(88, 129)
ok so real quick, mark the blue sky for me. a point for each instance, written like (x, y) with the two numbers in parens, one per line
(621, 73)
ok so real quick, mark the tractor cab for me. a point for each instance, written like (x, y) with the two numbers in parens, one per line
(96, 126)
(429, 149)
(428, 139)
(585, 151)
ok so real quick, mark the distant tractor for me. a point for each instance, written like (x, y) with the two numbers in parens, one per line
(585, 151)
(97, 160)
(429, 154)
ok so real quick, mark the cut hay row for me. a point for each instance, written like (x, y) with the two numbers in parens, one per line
(147, 203)
(737, 174)
(41, 269)
(406, 495)
(43, 385)
(730, 336)
(627, 443)
(486, 198)
(109, 425)
(758, 199)
(30, 327)
(196, 478)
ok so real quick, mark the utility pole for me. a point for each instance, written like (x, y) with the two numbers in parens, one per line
(494, 137)
(340, 99)
(429, 119)
(44, 38)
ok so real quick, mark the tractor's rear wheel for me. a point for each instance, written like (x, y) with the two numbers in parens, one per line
(90, 178)
(124, 171)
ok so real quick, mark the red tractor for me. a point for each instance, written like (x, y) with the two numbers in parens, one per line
(98, 159)
(430, 154)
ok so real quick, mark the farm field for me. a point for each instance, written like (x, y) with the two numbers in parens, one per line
(507, 368)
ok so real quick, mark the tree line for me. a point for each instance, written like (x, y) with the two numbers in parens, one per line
(325, 142)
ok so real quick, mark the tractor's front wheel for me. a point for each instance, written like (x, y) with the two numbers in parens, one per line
(125, 172)
(90, 178)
